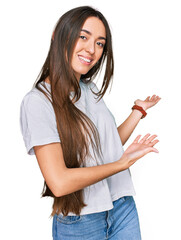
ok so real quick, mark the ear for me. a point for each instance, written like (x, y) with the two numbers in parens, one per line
(53, 35)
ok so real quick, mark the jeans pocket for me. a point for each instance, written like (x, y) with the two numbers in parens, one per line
(68, 219)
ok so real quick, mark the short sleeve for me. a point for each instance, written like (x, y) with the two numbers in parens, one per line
(37, 122)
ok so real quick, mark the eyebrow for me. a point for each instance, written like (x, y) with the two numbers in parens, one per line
(86, 31)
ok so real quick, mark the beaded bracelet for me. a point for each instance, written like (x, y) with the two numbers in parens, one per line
(140, 109)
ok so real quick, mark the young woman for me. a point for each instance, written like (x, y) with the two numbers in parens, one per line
(66, 124)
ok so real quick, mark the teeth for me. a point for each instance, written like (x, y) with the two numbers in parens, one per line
(85, 59)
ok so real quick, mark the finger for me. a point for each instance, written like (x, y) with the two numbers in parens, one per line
(153, 97)
(137, 139)
(151, 144)
(148, 98)
(150, 139)
(158, 99)
(145, 138)
(151, 149)
(155, 100)
(154, 150)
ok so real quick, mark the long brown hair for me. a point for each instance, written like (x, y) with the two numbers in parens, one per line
(75, 129)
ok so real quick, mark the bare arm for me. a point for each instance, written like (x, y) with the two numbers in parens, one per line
(127, 127)
(62, 180)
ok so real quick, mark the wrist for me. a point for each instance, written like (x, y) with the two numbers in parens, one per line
(140, 109)
(122, 163)
(141, 105)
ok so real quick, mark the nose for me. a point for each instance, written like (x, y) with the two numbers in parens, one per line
(90, 47)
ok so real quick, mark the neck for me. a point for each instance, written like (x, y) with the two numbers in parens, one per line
(77, 75)
(47, 80)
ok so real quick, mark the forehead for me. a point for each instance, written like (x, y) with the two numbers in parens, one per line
(95, 26)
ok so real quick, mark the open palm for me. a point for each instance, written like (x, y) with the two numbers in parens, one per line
(148, 102)
(139, 148)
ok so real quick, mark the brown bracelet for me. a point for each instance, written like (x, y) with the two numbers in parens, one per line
(140, 109)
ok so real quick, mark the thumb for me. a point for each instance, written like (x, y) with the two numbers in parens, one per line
(154, 150)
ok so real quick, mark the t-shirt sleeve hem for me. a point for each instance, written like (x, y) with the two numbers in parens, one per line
(40, 142)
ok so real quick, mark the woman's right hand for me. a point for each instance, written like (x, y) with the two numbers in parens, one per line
(138, 149)
(62, 180)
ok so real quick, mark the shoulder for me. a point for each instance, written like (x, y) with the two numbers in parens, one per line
(31, 97)
(34, 98)
(35, 106)
(37, 120)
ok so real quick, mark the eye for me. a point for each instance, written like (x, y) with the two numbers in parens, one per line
(82, 37)
(100, 44)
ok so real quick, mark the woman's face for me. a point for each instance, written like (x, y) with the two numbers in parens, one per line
(89, 47)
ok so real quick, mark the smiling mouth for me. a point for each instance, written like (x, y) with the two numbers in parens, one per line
(85, 60)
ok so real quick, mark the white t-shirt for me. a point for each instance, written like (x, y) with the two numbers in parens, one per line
(38, 127)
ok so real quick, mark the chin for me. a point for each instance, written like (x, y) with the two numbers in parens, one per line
(83, 72)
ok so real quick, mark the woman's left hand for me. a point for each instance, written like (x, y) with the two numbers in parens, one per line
(148, 102)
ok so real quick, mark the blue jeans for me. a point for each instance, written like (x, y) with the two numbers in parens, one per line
(119, 223)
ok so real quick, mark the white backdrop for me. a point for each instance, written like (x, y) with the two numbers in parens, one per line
(147, 49)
